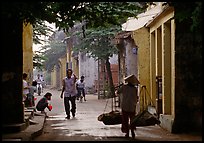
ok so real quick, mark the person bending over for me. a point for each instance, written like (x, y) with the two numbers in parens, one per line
(43, 103)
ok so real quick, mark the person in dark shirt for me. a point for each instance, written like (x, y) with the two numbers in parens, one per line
(43, 103)
(130, 98)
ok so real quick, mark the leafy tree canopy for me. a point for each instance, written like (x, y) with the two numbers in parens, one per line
(39, 29)
(65, 14)
(51, 53)
(97, 42)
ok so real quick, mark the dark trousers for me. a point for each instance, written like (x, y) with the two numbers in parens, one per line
(127, 117)
(80, 91)
(67, 105)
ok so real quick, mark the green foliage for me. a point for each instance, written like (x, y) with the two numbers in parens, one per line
(97, 42)
(38, 61)
(39, 29)
(49, 54)
(65, 14)
(54, 51)
(105, 14)
(28, 11)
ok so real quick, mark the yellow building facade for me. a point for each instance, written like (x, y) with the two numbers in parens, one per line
(141, 38)
(53, 77)
(162, 64)
(156, 63)
(28, 51)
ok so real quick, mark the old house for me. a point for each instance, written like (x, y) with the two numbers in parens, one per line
(158, 39)
(133, 45)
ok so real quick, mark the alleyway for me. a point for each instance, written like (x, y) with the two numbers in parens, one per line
(86, 127)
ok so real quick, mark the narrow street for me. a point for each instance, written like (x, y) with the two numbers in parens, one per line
(85, 126)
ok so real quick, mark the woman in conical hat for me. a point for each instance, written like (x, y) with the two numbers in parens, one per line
(128, 103)
(132, 79)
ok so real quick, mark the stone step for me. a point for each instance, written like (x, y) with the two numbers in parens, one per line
(17, 127)
(34, 129)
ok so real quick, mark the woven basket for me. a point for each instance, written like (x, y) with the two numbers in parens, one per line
(111, 118)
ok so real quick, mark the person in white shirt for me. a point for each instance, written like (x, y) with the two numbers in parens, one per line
(25, 87)
(42, 81)
(80, 85)
(39, 84)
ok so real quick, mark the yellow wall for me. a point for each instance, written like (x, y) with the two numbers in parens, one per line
(62, 73)
(53, 77)
(63, 61)
(162, 35)
(28, 51)
(141, 38)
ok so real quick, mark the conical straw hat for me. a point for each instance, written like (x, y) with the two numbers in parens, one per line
(132, 79)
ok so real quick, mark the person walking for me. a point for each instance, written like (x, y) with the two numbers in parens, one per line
(39, 84)
(128, 103)
(80, 86)
(42, 82)
(69, 91)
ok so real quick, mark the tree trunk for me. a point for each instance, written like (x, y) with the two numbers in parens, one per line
(110, 79)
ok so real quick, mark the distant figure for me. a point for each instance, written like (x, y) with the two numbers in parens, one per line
(69, 90)
(32, 90)
(39, 84)
(128, 103)
(43, 103)
(80, 86)
(25, 87)
(42, 82)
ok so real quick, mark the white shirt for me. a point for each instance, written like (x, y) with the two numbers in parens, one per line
(80, 84)
(38, 80)
(25, 84)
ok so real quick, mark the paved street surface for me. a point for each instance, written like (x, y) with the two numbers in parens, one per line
(85, 126)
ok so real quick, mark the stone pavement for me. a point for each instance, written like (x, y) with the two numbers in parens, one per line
(150, 133)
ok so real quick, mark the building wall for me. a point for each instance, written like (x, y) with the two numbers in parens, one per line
(58, 75)
(121, 60)
(53, 78)
(162, 35)
(62, 68)
(88, 67)
(114, 70)
(28, 51)
(114, 59)
(141, 38)
(131, 57)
